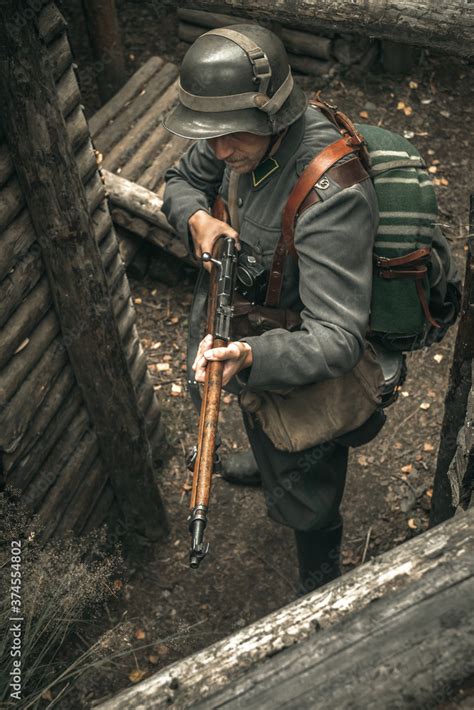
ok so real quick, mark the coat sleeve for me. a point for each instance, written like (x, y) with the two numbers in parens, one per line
(334, 241)
(191, 186)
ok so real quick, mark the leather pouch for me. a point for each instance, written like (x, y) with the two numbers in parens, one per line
(301, 417)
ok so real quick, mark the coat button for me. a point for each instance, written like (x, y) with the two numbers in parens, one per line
(240, 202)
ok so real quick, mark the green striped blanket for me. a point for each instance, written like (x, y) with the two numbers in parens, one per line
(408, 210)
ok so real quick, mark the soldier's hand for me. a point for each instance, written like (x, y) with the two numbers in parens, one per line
(205, 230)
(237, 356)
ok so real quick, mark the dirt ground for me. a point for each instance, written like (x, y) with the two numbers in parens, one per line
(166, 610)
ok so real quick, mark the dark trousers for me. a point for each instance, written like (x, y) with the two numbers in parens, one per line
(303, 490)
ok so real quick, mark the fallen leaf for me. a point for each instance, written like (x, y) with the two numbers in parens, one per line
(174, 320)
(153, 659)
(432, 169)
(176, 390)
(444, 181)
(408, 468)
(47, 695)
(167, 358)
(425, 102)
(401, 105)
(136, 676)
(412, 524)
(140, 634)
(405, 393)
(425, 405)
(397, 445)
(227, 399)
(429, 492)
(118, 584)
(413, 84)
(445, 114)
(154, 292)
(364, 114)
(162, 366)
(187, 486)
(438, 358)
(362, 460)
(22, 346)
(427, 446)
(155, 346)
(431, 393)
(138, 301)
(408, 110)
(418, 457)
(408, 135)
(162, 649)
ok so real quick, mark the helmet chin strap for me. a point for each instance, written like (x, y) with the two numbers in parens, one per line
(275, 139)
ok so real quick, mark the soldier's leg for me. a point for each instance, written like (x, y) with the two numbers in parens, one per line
(304, 491)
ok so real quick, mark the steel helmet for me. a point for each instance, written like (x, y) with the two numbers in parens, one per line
(233, 79)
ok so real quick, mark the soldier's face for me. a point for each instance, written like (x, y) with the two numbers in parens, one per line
(241, 151)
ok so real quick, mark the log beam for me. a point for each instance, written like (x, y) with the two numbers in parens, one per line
(460, 383)
(359, 610)
(104, 37)
(44, 162)
(446, 25)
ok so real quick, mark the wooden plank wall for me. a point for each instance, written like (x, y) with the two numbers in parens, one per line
(49, 449)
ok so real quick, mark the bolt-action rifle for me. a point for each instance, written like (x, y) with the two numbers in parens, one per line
(202, 461)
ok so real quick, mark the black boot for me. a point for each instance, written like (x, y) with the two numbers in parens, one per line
(318, 556)
(241, 467)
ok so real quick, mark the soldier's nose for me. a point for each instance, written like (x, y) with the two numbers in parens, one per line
(222, 147)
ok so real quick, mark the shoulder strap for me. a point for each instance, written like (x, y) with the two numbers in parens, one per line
(321, 163)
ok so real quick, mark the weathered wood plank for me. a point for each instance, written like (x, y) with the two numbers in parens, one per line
(203, 674)
(119, 127)
(68, 92)
(21, 279)
(206, 19)
(89, 491)
(308, 65)
(123, 97)
(60, 56)
(50, 23)
(135, 199)
(408, 650)
(461, 469)
(105, 39)
(162, 238)
(143, 140)
(306, 43)
(61, 392)
(172, 151)
(447, 25)
(33, 461)
(44, 163)
(24, 320)
(64, 490)
(17, 414)
(460, 383)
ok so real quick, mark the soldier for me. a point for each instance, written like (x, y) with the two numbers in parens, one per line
(255, 135)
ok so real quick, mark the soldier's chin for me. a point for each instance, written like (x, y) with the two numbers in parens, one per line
(240, 166)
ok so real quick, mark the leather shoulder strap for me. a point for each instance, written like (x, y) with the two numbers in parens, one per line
(320, 164)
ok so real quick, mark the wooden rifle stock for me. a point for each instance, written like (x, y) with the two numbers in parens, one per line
(221, 290)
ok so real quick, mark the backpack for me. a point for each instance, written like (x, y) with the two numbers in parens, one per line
(416, 290)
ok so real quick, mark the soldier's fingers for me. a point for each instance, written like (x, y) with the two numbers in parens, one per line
(231, 352)
(204, 345)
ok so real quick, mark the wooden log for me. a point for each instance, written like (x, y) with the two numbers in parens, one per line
(206, 19)
(119, 127)
(418, 22)
(189, 33)
(68, 92)
(135, 199)
(308, 65)
(24, 320)
(409, 650)
(109, 252)
(21, 279)
(95, 192)
(6, 167)
(161, 238)
(64, 490)
(51, 23)
(144, 139)
(104, 37)
(460, 383)
(15, 241)
(62, 391)
(33, 460)
(134, 86)
(60, 56)
(18, 413)
(129, 245)
(192, 681)
(11, 203)
(45, 163)
(101, 511)
(172, 151)
(310, 45)
(461, 468)
(102, 223)
(90, 489)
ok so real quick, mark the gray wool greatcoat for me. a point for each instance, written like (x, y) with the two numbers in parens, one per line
(334, 238)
